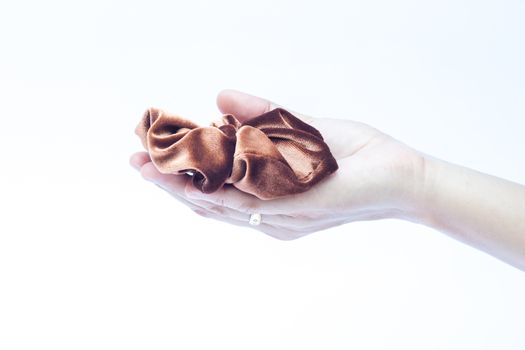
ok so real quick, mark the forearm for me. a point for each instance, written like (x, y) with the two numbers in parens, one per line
(481, 210)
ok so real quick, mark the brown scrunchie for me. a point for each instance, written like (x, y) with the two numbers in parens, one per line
(270, 156)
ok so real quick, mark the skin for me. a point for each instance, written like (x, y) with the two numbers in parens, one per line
(378, 177)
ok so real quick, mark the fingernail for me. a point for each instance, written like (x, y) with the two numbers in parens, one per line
(133, 165)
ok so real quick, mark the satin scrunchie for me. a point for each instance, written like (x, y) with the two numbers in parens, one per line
(272, 155)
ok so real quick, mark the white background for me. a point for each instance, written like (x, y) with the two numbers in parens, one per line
(93, 257)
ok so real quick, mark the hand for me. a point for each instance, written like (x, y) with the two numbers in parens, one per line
(378, 177)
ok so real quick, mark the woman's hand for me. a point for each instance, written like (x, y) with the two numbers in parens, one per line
(378, 177)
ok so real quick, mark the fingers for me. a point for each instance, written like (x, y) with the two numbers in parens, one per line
(226, 201)
(245, 106)
(225, 215)
(229, 196)
(214, 206)
(137, 160)
(171, 182)
(275, 220)
(180, 185)
(278, 233)
(272, 226)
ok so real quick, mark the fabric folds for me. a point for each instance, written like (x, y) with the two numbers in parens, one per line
(272, 155)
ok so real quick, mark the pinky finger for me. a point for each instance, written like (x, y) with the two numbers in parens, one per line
(278, 233)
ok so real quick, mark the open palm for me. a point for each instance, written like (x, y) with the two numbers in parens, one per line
(378, 177)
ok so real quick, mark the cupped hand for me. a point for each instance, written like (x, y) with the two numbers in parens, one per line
(378, 177)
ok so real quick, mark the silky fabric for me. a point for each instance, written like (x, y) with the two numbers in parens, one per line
(272, 155)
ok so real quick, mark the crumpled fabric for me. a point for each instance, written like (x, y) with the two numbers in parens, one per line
(272, 155)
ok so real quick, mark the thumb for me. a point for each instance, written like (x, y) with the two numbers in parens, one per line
(245, 106)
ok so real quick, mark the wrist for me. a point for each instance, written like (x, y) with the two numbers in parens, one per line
(417, 188)
(426, 191)
(398, 193)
